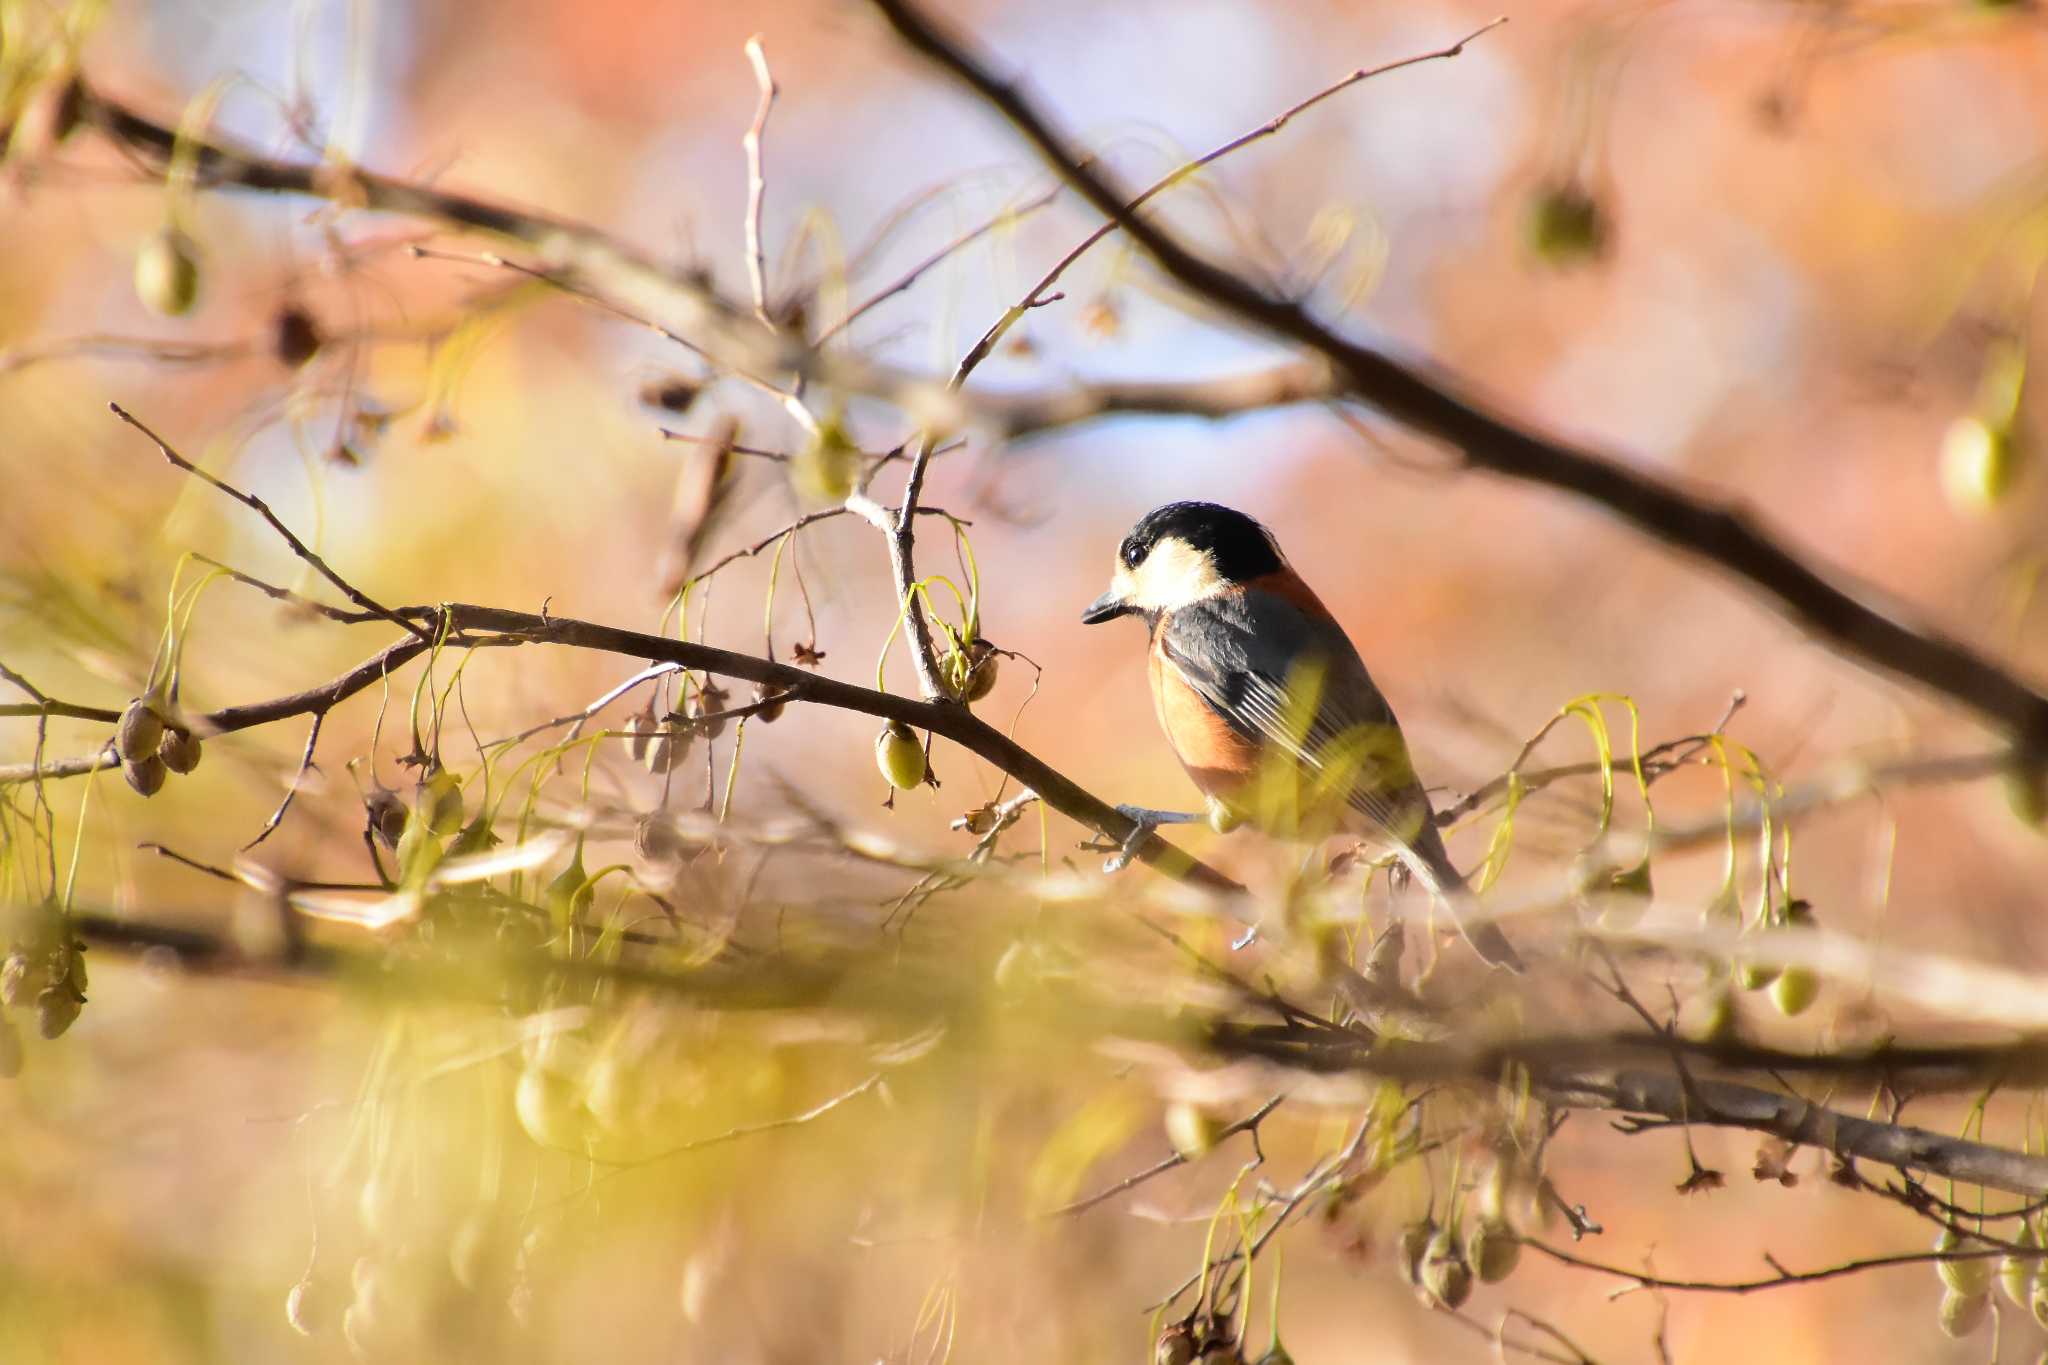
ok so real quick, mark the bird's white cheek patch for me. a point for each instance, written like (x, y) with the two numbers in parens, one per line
(1172, 576)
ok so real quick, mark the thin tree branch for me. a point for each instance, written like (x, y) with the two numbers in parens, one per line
(262, 509)
(464, 622)
(757, 182)
(1782, 1278)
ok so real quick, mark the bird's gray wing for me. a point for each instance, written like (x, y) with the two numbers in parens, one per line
(1294, 683)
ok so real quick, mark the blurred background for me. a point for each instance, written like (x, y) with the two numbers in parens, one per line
(1777, 252)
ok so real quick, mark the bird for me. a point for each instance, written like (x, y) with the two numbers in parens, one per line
(1266, 703)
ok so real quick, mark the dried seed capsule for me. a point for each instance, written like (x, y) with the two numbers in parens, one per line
(771, 711)
(147, 775)
(21, 978)
(655, 839)
(167, 274)
(1410, 1248)
(970, 674)
(665, 752)
(1493, 1250)
(709, 700)
(141, 730)
(673, 393)
(179, 750)
(388, 815)
(899, 755)
(294, 336)
(56, 1009)
(641, 729)
(1446, 1277)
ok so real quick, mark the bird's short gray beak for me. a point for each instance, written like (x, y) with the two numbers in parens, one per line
(1104, 608)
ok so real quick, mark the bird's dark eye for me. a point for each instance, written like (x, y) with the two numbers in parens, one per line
(1133, 553)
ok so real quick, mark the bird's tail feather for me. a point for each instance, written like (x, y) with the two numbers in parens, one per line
(1432, 866)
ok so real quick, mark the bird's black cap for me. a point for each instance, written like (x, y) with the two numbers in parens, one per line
(1240, 548)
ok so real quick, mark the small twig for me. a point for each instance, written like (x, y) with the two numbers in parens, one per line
(916, 272)
(1248, 1124)
(757, 184)
(1780, 1277)
(298, 779)
(262, 509)
(1037, 294)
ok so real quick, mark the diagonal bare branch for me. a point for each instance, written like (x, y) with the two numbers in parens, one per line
(1851, 616)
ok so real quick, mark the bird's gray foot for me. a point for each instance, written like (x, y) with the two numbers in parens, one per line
(1146, 819)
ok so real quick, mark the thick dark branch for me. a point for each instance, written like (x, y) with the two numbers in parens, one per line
(1808, 1125)
(1609, 1073)
(1851, 616)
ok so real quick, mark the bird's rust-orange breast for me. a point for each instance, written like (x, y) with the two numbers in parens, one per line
(1216, 756)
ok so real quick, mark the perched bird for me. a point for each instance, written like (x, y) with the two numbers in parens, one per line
(1265, 701)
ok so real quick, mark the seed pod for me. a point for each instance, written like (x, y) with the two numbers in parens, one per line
(1716, 1023)
(1191, 1129)
(899, 755)
(1410, 1248)
(179, 750)
(147, 775)
(388, 815)
(294, 336)
(440, 801)
(1962, 1314)
(661, 753)
(1175, 1346)
(21, 978)
(1794, 990)
(141, 730)
(970, 674)
(166, 273)
(823, 471)
(1979, 461)
(2026, 793)
(1493, 1250)
(75, 970)
(1752, 976)
(656, 839)
(10, 1049)
(548, 1109)
(1566, 225)
(1223, 817)
(1968, 1278)
(309, 1307)
(56, 1010)
(419, 852)
(2016, 1274)
(771, 711)
(709, 700)
(1446, 1277)
(673, 393)
(641, 728)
